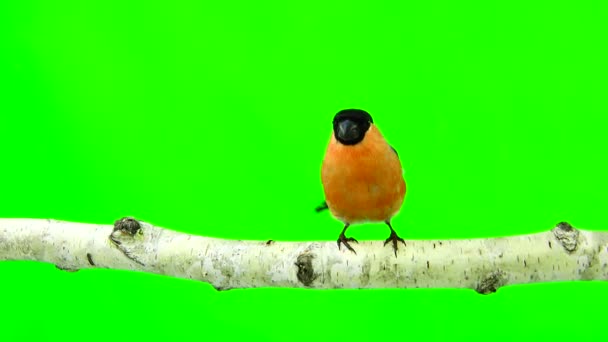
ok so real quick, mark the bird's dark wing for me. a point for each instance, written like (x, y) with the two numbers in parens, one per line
(321, 207)
(392, 148)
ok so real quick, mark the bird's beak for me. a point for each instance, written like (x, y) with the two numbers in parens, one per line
(348, 130)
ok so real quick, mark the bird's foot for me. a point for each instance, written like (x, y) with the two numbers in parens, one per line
(344, 240)
(395, 239)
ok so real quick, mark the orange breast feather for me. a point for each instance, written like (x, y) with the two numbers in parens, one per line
(363, 182)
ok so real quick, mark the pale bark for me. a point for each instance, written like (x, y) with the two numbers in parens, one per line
(562, 254)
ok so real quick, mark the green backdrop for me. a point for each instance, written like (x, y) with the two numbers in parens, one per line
(212, 118)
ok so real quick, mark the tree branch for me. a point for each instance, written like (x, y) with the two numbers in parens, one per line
(562, 254)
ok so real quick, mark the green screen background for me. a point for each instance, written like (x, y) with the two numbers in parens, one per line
(212, 118)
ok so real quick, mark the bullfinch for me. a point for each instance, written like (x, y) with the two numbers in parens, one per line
(361, 175)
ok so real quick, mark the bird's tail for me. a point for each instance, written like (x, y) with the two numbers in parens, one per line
(321, 207)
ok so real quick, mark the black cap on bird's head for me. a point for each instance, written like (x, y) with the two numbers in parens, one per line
(350, 125)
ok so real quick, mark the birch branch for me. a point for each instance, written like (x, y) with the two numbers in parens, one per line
(562, 254)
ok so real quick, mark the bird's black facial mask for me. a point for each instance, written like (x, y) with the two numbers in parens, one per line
(350, 125)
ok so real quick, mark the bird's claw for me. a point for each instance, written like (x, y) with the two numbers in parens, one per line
(344, 240)
(395, 239)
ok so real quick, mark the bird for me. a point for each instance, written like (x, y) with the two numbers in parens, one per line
(361, 175)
